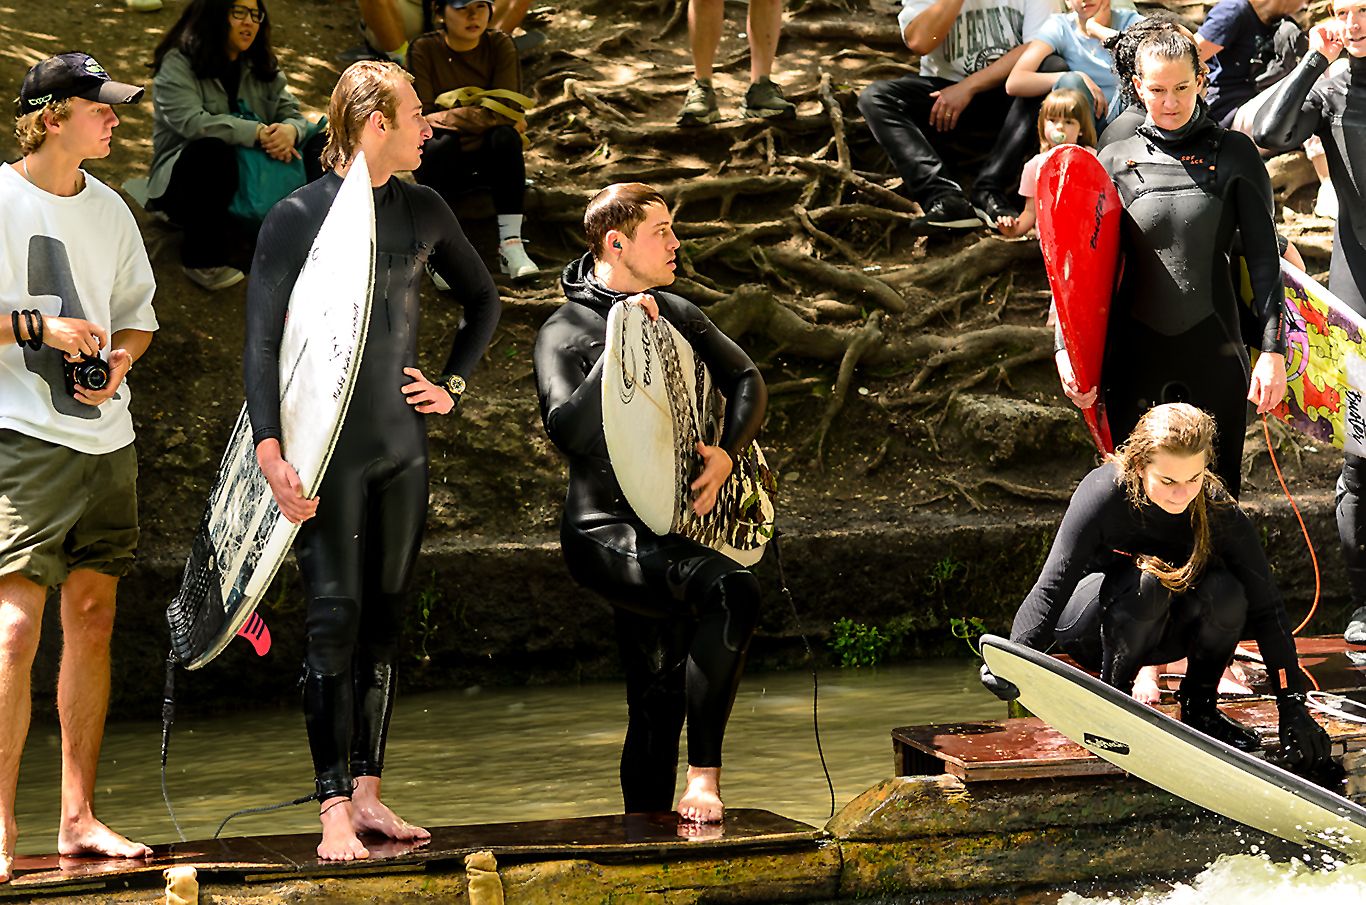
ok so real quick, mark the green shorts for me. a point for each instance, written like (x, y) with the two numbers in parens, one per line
(62, 510)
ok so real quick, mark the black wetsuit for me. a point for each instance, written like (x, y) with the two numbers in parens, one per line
(1335, 110)
(684, 613)
(357, 553)
(1175, 332)
(1091, 600)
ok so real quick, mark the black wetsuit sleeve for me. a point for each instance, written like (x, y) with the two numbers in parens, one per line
(735, 375)
(460, 265)
(1250, 191)
(281, 248)
(1080, 537)
(570, 391)
(1295, 110)
(1267, 622)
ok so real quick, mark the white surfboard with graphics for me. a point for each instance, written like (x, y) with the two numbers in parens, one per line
(243, 538)
(1172, 756)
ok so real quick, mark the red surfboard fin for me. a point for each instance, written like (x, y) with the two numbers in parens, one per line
(256, 633)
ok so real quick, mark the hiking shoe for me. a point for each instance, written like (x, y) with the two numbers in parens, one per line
(699, 109)
(992, 206)
(214, 278)
(512, 255)
(952, 212)
(437, 280)
(1356, 627)
(764, 100)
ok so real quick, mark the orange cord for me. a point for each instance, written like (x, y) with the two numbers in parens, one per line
(1266, 429)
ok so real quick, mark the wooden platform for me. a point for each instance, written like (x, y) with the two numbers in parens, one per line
(1030, 749)
(616, 838)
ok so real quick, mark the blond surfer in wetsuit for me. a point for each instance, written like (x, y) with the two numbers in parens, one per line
(360, 535)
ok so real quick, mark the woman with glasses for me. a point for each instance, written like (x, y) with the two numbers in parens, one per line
(218, 88)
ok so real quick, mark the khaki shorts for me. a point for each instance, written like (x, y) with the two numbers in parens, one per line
(62, 510)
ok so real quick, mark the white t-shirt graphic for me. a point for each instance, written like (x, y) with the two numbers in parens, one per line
(79, 256)
(983, 32)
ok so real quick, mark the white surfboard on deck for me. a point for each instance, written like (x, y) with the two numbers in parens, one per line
(320, 352)
(1172, 756)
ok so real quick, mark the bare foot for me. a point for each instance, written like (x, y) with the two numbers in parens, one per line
(89, 837)
(370, 815)
(1146, 690)
(701, 801)
(339, 839)
(1232, 683)
(9, 833)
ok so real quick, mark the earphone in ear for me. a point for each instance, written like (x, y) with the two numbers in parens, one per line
(617, 246)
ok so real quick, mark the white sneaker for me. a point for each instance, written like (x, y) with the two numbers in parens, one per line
(512, 254)
(437, 280)
(214, 278)
(1326, 205)
(144, 6)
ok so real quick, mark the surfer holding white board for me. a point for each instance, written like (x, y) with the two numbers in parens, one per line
(684, 612)
(1158, 502)
(1309, 102)
(361, 533)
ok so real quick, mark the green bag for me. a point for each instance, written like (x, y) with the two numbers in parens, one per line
(263, 181)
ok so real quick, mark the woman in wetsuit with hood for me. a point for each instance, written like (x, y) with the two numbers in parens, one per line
(1188, 188)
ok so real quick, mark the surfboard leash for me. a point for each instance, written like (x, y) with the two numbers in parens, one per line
(811, 659)
(1313, 557)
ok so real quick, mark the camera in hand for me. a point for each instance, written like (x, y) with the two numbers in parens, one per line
(91, 372)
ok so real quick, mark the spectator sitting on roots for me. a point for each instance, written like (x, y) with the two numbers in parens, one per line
(469, 80)
(214, 66)
(390, 26)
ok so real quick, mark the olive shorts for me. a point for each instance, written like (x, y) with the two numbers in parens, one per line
(62, 510)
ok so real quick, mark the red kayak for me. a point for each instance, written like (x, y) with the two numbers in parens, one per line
(1078, 208)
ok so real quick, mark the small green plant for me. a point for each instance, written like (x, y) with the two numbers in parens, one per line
(858, 644)
(426, 601)
(945, 571)
(968, 630)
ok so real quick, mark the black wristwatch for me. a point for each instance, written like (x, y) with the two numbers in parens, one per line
(453, 384)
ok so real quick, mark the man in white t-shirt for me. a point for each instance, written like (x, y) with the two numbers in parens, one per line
(957, 105)
(75, 314)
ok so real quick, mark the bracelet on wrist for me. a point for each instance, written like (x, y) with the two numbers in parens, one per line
(35, 328)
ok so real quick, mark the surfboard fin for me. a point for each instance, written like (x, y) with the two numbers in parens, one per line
(256, 633)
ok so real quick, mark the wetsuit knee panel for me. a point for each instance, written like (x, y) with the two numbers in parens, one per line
(1222, 601)
(333, 623)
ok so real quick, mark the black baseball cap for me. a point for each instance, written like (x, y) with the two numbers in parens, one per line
(461, 4)
(71, 75)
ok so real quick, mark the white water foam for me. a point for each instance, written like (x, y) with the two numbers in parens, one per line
(1323, 879)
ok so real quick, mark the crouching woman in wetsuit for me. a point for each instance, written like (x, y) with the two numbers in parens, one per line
(1157, 501)
(684, 613)
(1189, 188)
(357, 555)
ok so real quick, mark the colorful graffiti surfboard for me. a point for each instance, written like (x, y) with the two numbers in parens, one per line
(1325, 364)
(1078, 208)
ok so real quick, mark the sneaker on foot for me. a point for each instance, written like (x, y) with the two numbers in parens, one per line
(1326, 204)
(992, 206)
(512, 255)
(764, 100)
(144, 6)
(437, 280)
(214, 278)
(699, 108)
(952, 212)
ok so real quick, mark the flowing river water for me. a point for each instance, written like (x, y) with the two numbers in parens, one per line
(506, 754)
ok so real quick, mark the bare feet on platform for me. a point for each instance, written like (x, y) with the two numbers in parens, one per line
(339, 837)
(370, 815)
(88, 837)
(701, 801)
(1146, 688)
(9, 832)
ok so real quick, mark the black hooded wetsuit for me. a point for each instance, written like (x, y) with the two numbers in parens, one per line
(357, 553)
(1091, 599)
(1335, 110)
(684, 613)
(1174, 329)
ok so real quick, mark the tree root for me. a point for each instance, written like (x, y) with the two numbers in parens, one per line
(727, 189)
(1023, 491)
(983, 259)
(576, 90)
(1289, 173)
(839, 245)
(880, 194)
(862, 288)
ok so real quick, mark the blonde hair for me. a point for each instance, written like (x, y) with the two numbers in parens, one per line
(365, 87)
(1067, 103)
(1177, 429)
(31, 128)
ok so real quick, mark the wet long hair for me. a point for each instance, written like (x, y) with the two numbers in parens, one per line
(1158, 33)
(201, 33)
(364, 88)
(1067, 103)
(1178, 429)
